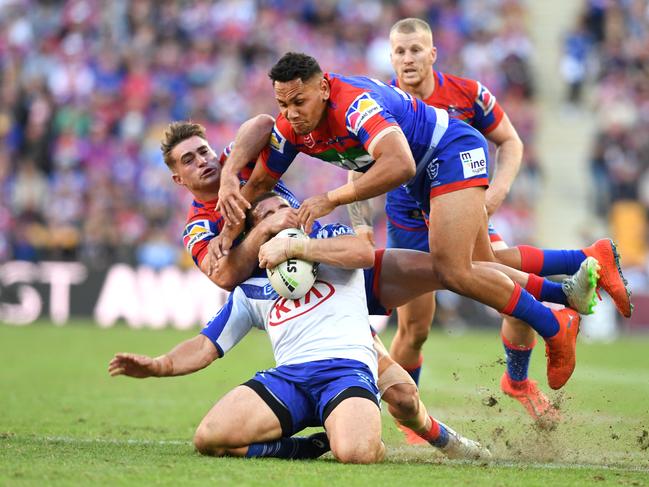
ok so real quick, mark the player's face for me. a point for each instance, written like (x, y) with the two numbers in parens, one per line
(268, 207)
(412, 56)
(302, 103)
(197, 166)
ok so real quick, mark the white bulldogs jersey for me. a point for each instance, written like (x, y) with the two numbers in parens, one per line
(330, 321)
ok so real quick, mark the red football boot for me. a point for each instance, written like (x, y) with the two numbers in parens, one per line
(611, 278)
(537, 404)
(560, 349)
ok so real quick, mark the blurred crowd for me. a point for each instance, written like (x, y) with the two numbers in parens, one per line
(608, 49)
(87, 87)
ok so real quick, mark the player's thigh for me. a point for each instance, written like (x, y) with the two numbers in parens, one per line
(457, 219)
(354, 430)
(241, 417)
(405, 275)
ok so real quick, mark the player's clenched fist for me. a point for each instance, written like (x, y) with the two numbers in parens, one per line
(314, 208)
(133, 365)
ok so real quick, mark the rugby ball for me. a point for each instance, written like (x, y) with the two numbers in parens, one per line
(293, 278)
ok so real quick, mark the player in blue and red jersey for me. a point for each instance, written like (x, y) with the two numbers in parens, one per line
(196, 166)
(392, 138)
(413, 56)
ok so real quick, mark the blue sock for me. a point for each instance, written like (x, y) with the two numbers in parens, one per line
(414, 372)
(442, 440)
(523, 306)
(553, 293)
(518, 360)
(295, 448)
(561, 262)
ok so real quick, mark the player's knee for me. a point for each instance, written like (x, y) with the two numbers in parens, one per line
(415, 333)
(207, 441)
(453, 276)
(403, 401)
(359, 452)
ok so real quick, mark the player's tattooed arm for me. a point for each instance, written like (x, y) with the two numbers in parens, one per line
(360, 212)
(187, 357)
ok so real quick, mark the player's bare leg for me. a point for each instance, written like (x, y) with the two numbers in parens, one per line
(407, 274)
(415, 318)
(414, 321)
(402, 395)
(459, 224)
(238, 419)
(519, 340)
(242, 424)
(545, 262)
(354, 430)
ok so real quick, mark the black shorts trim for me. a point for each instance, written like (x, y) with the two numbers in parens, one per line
(280, 410)
(354, 391)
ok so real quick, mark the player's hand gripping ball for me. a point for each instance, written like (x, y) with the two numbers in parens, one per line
(293, 278)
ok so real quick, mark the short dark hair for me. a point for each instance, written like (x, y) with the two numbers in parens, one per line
(250, 211)
(175, 133)
(293, 65)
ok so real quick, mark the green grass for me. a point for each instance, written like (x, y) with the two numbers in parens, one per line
(64, 421)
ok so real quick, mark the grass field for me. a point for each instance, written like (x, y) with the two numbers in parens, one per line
(64, 421)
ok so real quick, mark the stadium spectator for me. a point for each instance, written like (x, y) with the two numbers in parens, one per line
(86, 92)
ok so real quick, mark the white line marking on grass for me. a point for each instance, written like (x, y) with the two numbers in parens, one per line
(111, 441)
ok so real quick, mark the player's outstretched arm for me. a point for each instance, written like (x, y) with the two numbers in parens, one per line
(251, 138)
(187, 357)
(346, 251)
(241, 261)
(509, 154)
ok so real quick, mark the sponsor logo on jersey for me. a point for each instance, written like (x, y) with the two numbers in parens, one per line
(485, 99)
(474, 162)
(360, 111)
(287, 309)
(277, 140)
(195, 232)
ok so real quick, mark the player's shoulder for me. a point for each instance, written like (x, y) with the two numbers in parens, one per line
(451, 82)
(203, 223)
(354, 100)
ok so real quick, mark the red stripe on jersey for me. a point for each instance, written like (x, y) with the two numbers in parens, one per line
(457, 186)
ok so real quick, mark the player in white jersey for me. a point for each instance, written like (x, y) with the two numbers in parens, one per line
(325, 371)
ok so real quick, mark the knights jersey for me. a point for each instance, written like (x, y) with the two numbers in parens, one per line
(204, 222)
(331, 321)
(361, 110)
(464, 99)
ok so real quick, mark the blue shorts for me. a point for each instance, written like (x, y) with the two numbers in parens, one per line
(401, 238)
(460, 161)
(304, 395)
(417, 239)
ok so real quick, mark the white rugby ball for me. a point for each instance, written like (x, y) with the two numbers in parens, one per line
(293, 278)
